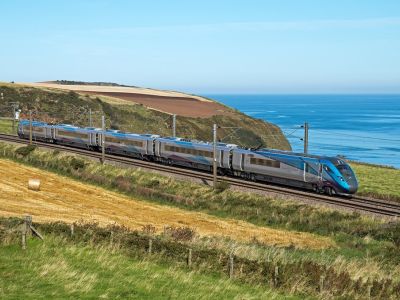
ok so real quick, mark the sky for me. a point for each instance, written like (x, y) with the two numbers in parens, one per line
(285, 46)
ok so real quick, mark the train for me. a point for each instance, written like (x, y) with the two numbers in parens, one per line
(321, 174)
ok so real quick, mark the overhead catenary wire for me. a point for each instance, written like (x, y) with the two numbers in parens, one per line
(354, 135)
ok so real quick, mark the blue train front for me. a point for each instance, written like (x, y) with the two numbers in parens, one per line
(322, 174)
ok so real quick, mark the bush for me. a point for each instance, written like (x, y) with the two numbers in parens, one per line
(222, 186)
(149, 229)
(180, 233)
(77, 164)
(25, 151)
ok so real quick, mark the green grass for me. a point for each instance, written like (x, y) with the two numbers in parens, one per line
(59, 269)
(378, 181)
(6, 126)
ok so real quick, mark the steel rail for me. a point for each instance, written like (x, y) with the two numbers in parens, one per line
(376, 206)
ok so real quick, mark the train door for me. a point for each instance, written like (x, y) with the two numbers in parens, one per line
(308, 175)
(320, 172)
(221, 158)
(242, 156)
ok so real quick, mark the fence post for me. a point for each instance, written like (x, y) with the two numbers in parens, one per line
(231, 265)
(111, 237)
(150, 245)
(189, 261)
(321, 283)
(72, 229)
(276, 275)
(369, 290)
(25, 228)
(23, 238)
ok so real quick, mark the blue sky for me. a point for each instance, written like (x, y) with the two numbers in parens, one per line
(285, 46)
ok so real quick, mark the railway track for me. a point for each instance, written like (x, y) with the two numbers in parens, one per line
(376, 206)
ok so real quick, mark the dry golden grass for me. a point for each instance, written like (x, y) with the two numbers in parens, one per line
(116, 89)
(64, 199)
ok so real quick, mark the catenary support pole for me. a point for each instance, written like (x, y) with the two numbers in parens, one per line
(103, 141)
(30, 127)
(174, 125)
(306, 137)
(215, 156)
(13, 119)
(90, 117)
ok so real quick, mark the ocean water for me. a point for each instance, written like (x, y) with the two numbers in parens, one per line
(360, 127)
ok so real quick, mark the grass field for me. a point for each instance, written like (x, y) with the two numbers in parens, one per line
(56, 269)
(64, 199)
(366, 249)
(378, 181)
(6, 126)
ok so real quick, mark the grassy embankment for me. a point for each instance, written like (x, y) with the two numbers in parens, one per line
(367, 249)
(6, 126)
(73, 108)
(376, 181)
(60, 269)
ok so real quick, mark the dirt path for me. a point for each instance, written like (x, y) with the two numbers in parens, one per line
(63, 199)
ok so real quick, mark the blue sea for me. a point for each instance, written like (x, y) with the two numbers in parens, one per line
(360, 127)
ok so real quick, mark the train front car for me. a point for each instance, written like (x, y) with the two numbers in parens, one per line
(341, 175)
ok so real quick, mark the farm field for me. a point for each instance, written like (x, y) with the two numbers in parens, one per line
(166, 101)
(64, 199)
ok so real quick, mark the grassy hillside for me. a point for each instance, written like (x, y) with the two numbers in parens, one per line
(58, 269)
(71, 107)
(365, 254)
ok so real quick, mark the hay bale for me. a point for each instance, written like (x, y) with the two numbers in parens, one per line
(34, 184)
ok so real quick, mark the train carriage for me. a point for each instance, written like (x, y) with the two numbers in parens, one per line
(130, 144)
(323, 174)
(40, 131)
(194, 154)
(76, 136)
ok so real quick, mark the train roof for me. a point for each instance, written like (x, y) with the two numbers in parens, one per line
(188, 141)
(335, 160)
(119, 133)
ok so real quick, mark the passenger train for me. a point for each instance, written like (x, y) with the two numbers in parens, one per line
(330, 175)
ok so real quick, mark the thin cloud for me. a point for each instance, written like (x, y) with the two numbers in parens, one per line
(261, 26)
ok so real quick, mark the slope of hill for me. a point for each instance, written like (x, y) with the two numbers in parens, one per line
(140, 110)
(63, 199)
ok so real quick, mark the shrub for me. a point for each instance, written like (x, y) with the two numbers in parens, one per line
(123, 183)
(222, 186)
(77, 164)
(180, 233)
(149, 229)
(25, 151)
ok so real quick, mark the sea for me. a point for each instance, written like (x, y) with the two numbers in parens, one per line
(363, 128)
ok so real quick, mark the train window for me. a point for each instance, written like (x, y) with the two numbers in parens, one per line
(115, 140)
(73, 134)
(265, 162)
(34, 129)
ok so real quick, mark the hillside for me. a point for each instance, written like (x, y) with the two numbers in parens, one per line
(140, 110)
(333, 254)
(63, 199)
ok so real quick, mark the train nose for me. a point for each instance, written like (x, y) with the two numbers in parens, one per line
(353, 187)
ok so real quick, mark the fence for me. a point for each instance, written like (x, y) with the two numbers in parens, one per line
(317, 279)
